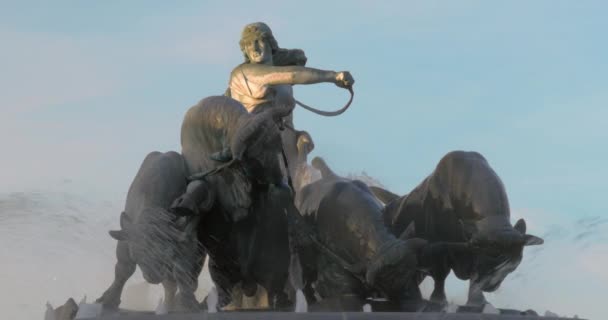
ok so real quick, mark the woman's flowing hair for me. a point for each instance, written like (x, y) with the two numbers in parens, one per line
(280, 57)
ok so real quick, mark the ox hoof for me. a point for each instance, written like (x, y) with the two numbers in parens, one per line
(440, 299)
(186, 303)
(108, 302)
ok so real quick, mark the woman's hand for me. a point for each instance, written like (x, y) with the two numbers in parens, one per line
(344, 79)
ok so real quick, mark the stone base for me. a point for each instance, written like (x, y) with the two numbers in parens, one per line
(327, 316)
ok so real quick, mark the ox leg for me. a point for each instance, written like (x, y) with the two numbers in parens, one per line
(124, 269)
(439, 271)
(187, 283)
(438, 294)
(225, 277)
(476, 297)
(170, 290)
(297, 237)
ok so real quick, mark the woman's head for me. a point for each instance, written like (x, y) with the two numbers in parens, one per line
(257, 43)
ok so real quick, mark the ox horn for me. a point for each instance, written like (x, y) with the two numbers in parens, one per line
(119, 235)
(383, 195)
(320, 164)
(527, 239)
(304, 142)
(520, 226)
(125, 225)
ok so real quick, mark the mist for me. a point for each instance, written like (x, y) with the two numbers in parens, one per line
(56, 246)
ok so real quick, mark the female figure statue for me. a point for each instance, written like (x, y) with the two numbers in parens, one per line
(236, 145)
(266, 78)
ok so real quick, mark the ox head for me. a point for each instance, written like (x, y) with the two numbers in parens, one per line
(156, 240)
(498, 249)
(302, 174)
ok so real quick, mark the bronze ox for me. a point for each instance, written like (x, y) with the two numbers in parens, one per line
(462, 201)
(235, 158)
(355, 254)
(163, 246)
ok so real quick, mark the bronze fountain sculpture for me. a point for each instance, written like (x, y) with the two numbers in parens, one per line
(237, 195)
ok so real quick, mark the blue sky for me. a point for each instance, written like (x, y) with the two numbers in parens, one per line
(88, 88)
